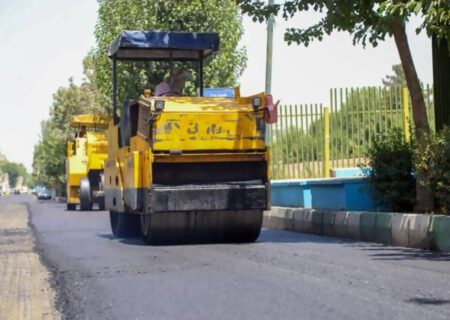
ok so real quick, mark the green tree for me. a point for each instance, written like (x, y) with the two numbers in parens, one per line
(371, 22)
(390, 171)
(14, 171)
(49, 157)
(397, 79)
(194, 15)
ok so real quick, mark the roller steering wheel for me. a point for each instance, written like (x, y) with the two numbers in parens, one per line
(170, 92)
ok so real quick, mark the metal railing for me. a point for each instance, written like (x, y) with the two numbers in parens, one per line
(310, 139)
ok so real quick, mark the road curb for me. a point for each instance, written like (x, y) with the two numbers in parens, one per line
(440, 233)
(397, 229)
(367, 227)
(303, 220)
(383, 224)
(279, 218)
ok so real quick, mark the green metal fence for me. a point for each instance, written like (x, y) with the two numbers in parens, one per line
(309, 139)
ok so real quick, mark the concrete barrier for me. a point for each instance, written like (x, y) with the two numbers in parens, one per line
(411, 230)
(418, 235)
(303, 220)
(279, 218)
(383, 232)
(328, 220)
(440, 233)
(406, 230)
(353, 225)
(317, 222)
(367, 226)
(340, 224)
(399, 229)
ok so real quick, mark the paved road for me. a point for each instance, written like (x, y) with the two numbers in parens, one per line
(283, 275)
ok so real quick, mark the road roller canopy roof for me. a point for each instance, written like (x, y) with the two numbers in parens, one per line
(163, 46)
(93, 121)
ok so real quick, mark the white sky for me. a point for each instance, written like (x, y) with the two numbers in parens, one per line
(43, 42)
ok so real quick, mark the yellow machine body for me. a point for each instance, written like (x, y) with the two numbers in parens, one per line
(86, 153)
(198, 141)
(183, 168)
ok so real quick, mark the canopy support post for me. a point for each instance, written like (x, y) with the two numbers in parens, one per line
(114, 89)
(200, 73)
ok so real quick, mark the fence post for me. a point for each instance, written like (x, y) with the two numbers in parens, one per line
(326, 142)
(405, 115)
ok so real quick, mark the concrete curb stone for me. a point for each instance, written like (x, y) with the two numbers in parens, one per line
(399, 229)
(367, 226)
(328, 220)
(405, 230)
(279, 218)
(440, 232)
(317, 222)
(418, 235)
(353, 225)
(303, 220)
(340, 224)
(383, 227)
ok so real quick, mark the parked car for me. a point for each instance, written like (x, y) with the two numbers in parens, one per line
(44, 194)
(36, 189)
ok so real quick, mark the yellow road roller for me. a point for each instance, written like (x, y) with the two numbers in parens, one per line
(86, 155)
(185, 169)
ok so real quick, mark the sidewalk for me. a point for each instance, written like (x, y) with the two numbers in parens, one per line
(25, 292)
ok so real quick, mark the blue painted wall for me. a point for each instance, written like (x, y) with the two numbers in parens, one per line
(349, 194)
(346, 172)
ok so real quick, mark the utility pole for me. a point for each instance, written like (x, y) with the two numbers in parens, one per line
(270, 23)
(269, 51)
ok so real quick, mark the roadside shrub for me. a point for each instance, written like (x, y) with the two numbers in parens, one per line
(436, 160)
(390, 171)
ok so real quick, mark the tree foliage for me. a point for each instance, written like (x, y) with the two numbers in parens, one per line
(435, 15)
(366, 21)
(390, 171)
(397, 79)
(194, 15)
(14, 171)
(436, 161)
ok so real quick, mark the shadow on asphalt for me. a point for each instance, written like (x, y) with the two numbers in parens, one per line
(266, 236)
(129, 240)
(382, 252)
(282, 236)
(428, 301)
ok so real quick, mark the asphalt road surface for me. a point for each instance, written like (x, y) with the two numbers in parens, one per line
(283, 275)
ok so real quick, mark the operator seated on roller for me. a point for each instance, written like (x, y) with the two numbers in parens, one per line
(175, 85)
(81, 133)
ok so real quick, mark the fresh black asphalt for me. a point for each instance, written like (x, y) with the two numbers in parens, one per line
(283, 275)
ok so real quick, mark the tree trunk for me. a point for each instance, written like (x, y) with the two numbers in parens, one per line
(424, 196)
